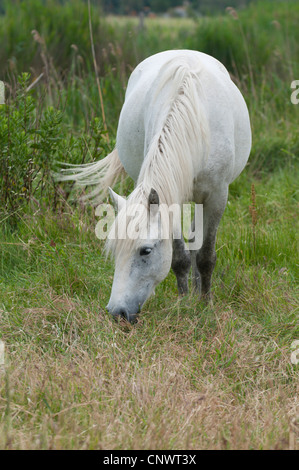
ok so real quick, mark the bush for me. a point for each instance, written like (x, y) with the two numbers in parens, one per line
(33, 139)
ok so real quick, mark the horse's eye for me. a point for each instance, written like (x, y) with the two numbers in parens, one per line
(146, 250)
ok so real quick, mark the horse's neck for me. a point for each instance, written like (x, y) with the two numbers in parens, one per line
(165, 176)
(167, 193)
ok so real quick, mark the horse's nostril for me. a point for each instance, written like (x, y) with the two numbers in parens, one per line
(123, 313)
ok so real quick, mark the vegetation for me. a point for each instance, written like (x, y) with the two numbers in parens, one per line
(121, 7)
(186, 376)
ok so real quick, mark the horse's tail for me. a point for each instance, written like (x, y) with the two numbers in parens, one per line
(101, 174)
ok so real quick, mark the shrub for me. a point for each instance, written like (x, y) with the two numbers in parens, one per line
(33, 138)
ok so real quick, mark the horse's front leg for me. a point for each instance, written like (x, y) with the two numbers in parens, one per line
(204, 261)
(195, 273)
(181, 264)
(193, 253)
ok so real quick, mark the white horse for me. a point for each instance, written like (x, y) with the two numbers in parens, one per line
(183, 135)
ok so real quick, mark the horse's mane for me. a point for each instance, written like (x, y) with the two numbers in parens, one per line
(180, 144)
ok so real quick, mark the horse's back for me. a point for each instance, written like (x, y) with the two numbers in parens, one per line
(146, 72)
(224, 107)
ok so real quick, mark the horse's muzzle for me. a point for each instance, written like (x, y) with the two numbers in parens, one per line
(120, 313)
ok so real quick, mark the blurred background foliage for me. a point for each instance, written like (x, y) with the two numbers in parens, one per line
(54, 113)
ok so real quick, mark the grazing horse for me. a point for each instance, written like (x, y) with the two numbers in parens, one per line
(183, 135)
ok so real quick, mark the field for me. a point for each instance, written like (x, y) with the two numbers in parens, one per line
(186, 376)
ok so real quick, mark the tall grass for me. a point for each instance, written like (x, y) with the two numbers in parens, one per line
(186, 376)
(258, 45)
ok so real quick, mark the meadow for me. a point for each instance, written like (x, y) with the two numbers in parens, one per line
(187, 375)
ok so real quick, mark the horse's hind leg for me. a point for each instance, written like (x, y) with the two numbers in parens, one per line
(181, 264)
(206, 257)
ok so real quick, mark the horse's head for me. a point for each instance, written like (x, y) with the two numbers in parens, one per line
(142, 255)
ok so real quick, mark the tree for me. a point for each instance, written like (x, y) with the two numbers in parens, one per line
(160, 6)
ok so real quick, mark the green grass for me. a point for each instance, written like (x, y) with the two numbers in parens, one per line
(186, 376)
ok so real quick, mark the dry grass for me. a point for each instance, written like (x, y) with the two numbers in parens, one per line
(172, 382)
(186, 376)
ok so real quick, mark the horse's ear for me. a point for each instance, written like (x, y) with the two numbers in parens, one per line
(117, 201)
(153, 197)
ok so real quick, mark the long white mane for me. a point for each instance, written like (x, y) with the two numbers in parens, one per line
(169, 165)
